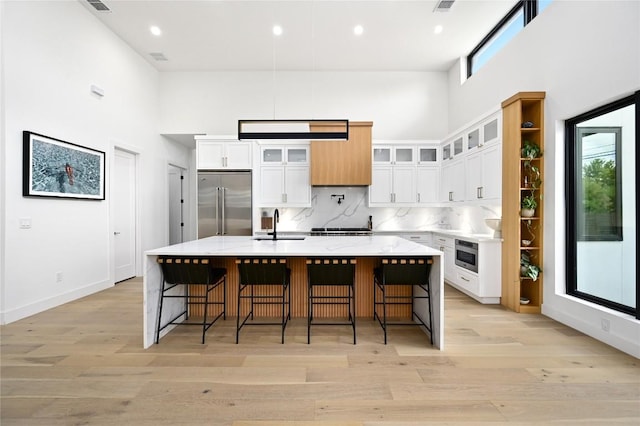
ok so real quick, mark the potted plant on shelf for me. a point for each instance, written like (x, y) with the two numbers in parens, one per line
(528, 205)
(530, 150)
(528, 269)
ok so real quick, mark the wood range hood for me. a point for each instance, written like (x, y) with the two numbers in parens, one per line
(343, 163)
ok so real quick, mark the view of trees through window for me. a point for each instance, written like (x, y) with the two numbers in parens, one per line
(600, 183)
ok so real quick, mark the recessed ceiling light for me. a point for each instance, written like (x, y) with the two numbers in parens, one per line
(155, 30)
(358, 30)
(438, 29)
(277, 30)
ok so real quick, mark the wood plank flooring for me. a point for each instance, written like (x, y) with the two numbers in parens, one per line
(83, 363)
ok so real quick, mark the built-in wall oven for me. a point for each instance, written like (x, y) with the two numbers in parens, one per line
(467, 255)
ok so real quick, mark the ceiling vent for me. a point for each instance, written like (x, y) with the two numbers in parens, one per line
(158, 56)
(99, 6)
(444, 5)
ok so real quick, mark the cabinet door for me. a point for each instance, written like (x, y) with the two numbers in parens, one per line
(298, 155)
(272, 155)
(449, 264)
(453, 181)
(492, 173)
(484, 174)
(238, 155)
(272, 186)
(473, 139)
(474, 185)
(297, 188)
(381, 185)
(427, 155)
(403, 155)
(404, 185)
(382, 155)
(428, 184)
(491, 131)
(210, 155)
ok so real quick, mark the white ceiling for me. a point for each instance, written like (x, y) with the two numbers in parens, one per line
(208, 35)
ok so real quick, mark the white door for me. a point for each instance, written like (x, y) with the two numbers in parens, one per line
(176, 203)
(124, 213)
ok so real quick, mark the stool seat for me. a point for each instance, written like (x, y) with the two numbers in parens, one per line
(263, 281)
(409, 272)
(337, 276)
(188, 272)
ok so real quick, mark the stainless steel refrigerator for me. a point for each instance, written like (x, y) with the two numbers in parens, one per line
(224, 203)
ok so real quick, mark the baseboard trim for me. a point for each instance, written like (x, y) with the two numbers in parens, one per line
(52, 302)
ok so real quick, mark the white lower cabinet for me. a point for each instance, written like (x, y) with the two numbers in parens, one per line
(446, 245)
(486, 285)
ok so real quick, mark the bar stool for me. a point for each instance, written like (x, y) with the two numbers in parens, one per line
(187, 272)
(263, 281)
(332, 275)
(395, 272)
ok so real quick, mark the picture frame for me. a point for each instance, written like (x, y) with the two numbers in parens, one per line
(60, 169)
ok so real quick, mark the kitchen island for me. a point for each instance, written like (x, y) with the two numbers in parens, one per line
(225, 249)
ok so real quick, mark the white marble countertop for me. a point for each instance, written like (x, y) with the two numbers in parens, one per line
(374, 245)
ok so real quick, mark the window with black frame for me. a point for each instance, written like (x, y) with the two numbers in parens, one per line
(601, 205)
(511, 24)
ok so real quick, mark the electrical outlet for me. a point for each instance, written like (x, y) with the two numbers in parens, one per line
(605, 324)
(59, 277)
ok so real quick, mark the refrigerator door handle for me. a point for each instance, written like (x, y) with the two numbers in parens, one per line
(224, 199)
(217, 210)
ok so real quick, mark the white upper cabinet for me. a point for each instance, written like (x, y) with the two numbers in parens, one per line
(404, 174)
(383, 154)
(284, 176)
(215, 153)
(484, 174)
(476, 175)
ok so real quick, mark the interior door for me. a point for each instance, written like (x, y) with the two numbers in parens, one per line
(176, 205)
(124, 214)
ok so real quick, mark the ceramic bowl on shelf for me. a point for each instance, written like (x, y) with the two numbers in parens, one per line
(526, 243)
(524, 301)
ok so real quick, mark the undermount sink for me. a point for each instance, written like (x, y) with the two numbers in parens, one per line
(281, 238)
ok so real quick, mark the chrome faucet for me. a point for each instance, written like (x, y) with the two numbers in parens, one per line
(276, 219)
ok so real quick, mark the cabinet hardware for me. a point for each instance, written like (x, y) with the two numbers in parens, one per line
(450, 195)
(464, 279)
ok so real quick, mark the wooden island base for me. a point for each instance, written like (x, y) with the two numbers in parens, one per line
(368, 252)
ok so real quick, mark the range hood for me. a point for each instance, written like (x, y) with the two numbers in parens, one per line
(336, 130)
(347, 163)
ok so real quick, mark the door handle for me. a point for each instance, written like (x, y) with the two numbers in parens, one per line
(224, 201)
(116, 233)
(217, 210)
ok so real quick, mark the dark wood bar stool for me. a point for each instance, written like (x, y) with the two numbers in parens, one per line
(394, 272)
(186, 272)
(263, 281)
(332, 275)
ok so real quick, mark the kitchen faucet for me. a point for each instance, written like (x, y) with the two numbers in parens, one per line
(276, 219)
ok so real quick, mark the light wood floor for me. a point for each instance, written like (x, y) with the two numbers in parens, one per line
(83, 363)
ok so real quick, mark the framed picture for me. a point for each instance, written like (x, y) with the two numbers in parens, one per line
(55, 168)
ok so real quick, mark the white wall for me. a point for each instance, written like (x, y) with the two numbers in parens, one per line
(583, 54)
(52, 53)
(402, 105)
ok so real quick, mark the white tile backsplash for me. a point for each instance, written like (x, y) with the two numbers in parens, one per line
(353, 212)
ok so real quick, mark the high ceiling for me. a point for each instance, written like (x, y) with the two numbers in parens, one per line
(216, 35)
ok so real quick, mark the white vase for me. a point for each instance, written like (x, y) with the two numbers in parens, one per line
(527, 212)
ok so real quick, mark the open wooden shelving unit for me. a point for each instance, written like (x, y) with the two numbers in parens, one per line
(520, 108)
